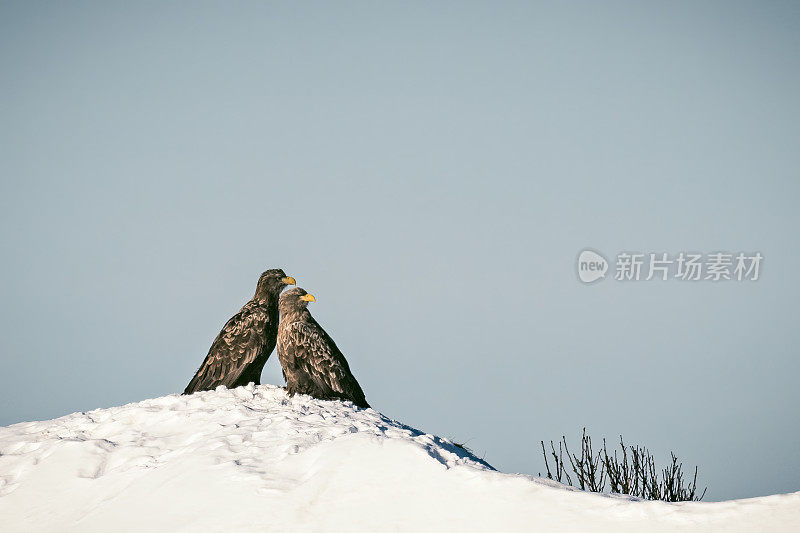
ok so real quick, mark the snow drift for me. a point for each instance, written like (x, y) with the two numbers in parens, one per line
(254, 459)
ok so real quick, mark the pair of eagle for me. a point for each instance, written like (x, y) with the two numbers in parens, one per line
(312, 364)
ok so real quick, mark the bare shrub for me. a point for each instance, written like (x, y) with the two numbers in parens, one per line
(630, 471)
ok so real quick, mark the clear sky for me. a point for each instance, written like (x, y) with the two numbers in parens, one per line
(430, 172)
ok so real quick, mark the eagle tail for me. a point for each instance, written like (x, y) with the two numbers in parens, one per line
(197, 384)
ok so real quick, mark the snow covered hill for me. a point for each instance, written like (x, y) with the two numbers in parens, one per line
(252, 459)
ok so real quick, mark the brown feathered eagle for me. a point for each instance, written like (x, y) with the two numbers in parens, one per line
(239, 352)
(312, 363)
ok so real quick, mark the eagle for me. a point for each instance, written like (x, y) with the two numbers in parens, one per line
(239, 352)
(312, 363)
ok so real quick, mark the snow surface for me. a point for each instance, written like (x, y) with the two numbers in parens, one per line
(253, 459)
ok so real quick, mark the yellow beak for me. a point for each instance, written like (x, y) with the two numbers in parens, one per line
(308, 298)
(289, 280)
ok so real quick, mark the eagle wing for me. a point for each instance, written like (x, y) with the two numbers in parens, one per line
(236, 347)
(318, 357)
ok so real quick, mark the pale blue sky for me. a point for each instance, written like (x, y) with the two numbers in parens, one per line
(430, 173)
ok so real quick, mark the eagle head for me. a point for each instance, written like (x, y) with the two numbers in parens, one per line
(272, 282)
(295, 299)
